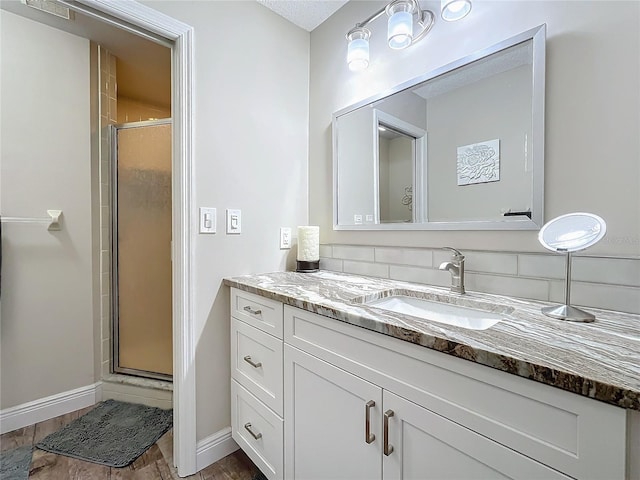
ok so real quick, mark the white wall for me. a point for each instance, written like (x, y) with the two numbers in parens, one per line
(251, 144)
(501, 111)
(592, 110)
(46, 308)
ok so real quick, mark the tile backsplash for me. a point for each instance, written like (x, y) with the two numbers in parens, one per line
(611, 283)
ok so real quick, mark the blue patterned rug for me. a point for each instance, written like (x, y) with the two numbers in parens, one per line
(14, 464)
(113, 433)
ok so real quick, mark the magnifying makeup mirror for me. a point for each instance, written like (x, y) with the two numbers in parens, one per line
(567, 234)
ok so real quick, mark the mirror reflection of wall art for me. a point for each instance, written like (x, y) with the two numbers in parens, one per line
(407, 200)
(479, 163)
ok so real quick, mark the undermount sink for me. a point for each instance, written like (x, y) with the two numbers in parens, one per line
(459, 316)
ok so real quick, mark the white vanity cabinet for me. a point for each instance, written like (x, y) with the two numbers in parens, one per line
(360, 405)
(340, 426)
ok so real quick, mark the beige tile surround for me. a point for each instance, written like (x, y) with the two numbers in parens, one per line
(597, 281)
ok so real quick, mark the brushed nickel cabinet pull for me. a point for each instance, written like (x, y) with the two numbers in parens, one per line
(251, 362)
(251, 311)
(368, 436)
(247, 427)
(388, 449)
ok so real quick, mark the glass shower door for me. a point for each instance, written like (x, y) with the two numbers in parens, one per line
(141, 249)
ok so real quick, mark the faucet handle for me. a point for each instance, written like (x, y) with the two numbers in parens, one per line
(456, 253)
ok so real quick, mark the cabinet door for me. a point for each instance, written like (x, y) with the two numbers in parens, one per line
(326, 411)
(427, 446)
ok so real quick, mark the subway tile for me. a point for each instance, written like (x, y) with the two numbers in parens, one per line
(404, 256)
(104, 104)
(541, 266)
(105, 218)
(105, 305)
(104, 171)
(349, 252)
(105, 328)
(440, 256)
(489, 262)
(105, 283)
(428, 276)
(609, 297)
(365, 268)
(105, 238)
(104, 147)
(508, 286)
(617, 271)
(113, 110)
(113, 86)
(332, 264)
(106, 350)
(556, 291)
(105, 261)
(104, 195)
(326, 251)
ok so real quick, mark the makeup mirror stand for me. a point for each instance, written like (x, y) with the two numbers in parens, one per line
(566, 311)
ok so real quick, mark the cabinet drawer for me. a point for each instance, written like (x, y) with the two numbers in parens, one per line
(250, 418)
(258, 311)
(256, 363)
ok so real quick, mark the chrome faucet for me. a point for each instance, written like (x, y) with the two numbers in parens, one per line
(456, 268)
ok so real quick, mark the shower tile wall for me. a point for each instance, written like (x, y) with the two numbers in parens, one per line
(108, 116)
(611, 283)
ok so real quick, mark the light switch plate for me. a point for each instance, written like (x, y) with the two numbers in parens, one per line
(285, 238)
(234, 221)
(207, 220)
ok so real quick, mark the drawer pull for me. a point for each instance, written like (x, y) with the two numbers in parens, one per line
(368, 436)
(247, 427)
(251, 311)
(388, 449)
(251, 362)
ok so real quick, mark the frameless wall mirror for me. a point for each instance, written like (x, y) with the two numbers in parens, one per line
(459, 148)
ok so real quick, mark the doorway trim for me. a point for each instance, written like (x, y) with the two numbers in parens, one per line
(137, 18)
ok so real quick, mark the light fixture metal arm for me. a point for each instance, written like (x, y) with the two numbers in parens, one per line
(371, 18)
(425, 18)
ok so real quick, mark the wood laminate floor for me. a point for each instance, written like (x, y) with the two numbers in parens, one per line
(155, 464)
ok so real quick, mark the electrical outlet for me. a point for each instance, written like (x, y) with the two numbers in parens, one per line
(357, 219)
(285, 238)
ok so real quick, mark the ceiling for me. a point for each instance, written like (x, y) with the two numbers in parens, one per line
(307, 14)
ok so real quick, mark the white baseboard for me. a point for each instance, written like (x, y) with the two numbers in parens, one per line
(214, 447)
(49, 407)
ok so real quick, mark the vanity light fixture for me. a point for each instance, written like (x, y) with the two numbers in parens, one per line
(407, 24)
(452, 10)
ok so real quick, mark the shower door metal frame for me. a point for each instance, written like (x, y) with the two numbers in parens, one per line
(115, 309)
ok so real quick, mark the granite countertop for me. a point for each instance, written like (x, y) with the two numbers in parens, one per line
(599, 360)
